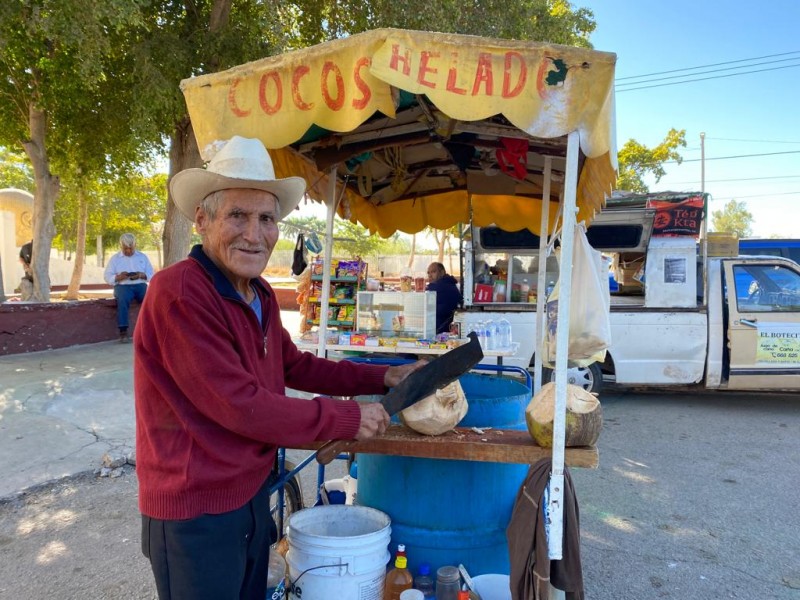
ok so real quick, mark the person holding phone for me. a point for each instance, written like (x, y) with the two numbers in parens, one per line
(128, 271)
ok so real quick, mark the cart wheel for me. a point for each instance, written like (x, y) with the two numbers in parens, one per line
(292, 502)
(589, 378)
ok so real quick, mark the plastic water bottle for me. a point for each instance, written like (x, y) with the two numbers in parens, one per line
(505, 333)
(480, 329)
(424, 581)
(491, 335)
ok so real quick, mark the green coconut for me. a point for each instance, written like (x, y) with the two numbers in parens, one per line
(584, 418)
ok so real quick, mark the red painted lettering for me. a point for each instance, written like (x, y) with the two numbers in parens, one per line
(232, 101)
(540, 78)
(298, 74)
(396, 58)
(424, 69)
(523, 75)
(337, 102)
(452, 76)
(483, 74)
(268, 108)
(366, 93)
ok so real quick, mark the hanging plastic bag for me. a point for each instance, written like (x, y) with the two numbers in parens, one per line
(299, 262)
(590, 325)
(313, 244)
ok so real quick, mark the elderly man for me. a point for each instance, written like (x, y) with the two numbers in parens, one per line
(128, 271)
(447, 295)
(211, 365)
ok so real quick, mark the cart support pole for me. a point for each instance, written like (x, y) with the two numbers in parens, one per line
(326, 265)
(541, 284)
(562, 341)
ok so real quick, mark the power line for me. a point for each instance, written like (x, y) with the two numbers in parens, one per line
(740, 179)
(769, 62)
(646, 87)
(756, 196)
(667, 162)
(752, 141)
(730, 62)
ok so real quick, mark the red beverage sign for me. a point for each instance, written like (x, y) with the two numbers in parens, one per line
(677, 218)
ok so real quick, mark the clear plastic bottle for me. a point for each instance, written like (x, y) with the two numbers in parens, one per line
(524, 290)
(482, 336)
(504, 327)
(491, 335)
(424, 581)
(398, 579)
(447, 583)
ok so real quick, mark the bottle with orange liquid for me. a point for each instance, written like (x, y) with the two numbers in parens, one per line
(398, 579)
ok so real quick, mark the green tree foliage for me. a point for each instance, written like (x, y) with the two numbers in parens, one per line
(15, 170)
(55, 74)
(309, 22)
(637, 160)
(733, 218)
(133, 203)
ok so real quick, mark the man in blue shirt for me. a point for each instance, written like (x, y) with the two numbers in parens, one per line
(448, 297)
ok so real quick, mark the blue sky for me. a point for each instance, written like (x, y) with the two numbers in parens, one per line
(756, 113)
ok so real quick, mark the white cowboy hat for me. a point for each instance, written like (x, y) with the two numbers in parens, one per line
(241, 163)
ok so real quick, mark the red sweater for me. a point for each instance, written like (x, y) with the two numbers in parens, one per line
(211, 408)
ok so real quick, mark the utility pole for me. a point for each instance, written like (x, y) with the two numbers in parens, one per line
(703, 162)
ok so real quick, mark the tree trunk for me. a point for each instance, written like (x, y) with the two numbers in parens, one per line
(44, 199)
(449, 254)
(413, 250)
(183, 154)
(80, 250)
(2, 285)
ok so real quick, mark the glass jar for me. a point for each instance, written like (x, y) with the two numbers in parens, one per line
(447, 583)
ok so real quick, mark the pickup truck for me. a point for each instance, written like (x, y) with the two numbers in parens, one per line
(678, 316)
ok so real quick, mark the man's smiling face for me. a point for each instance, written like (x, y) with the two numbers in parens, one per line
(241, 236)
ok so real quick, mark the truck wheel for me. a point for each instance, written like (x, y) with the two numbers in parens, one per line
(589, 378)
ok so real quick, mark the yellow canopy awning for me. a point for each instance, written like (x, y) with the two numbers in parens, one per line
(469, 90)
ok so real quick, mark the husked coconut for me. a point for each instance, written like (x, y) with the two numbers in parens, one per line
(584, 418)
(439, 412)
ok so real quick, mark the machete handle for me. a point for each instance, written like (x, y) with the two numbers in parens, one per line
(332, 449)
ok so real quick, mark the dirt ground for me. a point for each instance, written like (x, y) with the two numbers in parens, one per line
(77, 539)
(695, 498)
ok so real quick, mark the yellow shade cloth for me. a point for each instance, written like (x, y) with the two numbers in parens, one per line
(545, 90)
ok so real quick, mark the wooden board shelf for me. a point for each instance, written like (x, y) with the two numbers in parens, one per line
(493, 445)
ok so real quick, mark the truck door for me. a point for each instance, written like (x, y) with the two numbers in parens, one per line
(763, 301)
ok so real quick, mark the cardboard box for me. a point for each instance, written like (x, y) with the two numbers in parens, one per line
(628, 270)
(723, 244)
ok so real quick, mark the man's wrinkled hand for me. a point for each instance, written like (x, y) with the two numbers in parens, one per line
(396, 374)
(374, 421)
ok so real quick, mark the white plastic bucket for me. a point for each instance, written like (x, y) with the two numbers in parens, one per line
(338, 551)
(492, 587)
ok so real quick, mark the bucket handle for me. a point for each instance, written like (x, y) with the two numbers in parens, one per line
(343, 564)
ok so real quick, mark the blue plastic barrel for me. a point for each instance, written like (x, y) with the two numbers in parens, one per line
(448, 512)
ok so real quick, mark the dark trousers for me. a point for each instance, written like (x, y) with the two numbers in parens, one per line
(212, 557)
(125, 294)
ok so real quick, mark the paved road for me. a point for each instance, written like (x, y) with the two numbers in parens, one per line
(695, 497)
